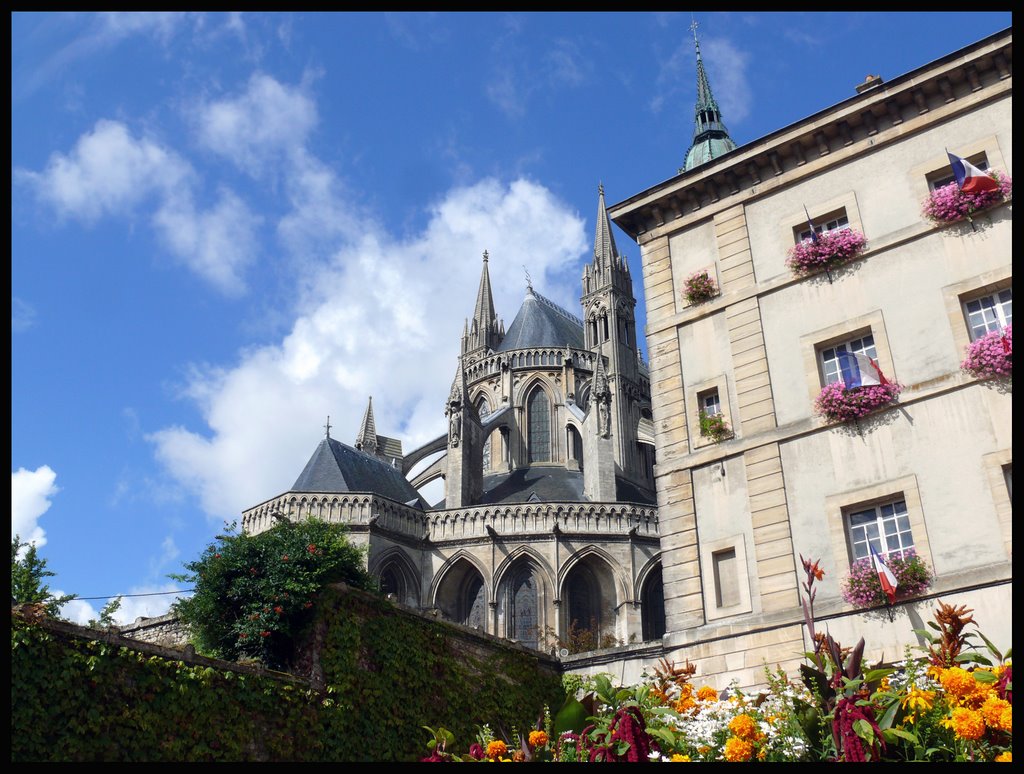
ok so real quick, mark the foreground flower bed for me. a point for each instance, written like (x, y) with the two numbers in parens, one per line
(990, 356)
(953, 703)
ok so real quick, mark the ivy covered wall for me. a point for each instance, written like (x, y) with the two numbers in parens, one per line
(372, 675)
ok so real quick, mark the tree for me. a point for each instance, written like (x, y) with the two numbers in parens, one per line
(254, 593)
(106, 619)
(28, 571)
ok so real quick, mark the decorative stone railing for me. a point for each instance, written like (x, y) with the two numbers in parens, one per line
(551, 357)
(476, 522)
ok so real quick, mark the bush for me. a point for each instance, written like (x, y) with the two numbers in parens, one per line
(254, 593)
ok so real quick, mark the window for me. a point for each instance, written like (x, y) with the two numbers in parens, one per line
(944, 177)
(522, 625)
(986, 314)
(710, 403)
(652, 607)
(885, 527)
(831, 222)
(829, 357)
(539, 426)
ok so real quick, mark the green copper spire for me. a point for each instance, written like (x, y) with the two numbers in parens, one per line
(710, 137)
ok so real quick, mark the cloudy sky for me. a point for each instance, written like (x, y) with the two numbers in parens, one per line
(228, 227)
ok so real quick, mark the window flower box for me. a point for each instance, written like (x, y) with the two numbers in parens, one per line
(990, 356)
(836, 403)
(699, 287)
(863, 589)
(831, 249)
(949, 204)
(714, 426)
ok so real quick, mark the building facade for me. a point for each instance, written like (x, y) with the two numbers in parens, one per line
(932, 471)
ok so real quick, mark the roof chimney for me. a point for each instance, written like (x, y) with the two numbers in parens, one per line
(869, 83)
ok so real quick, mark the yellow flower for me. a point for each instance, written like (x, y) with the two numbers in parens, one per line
(677, 758)
(744, 727)
(538, 738)
(958, 682)
(1004, 757)
(496, 749)
(992, 710)
(707, 693)
(737, 750)
(916, 701)
(966, 723)
(1006, 720)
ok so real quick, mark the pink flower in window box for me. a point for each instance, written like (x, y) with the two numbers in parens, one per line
(863, 589)
(699, 287)
(832, 248)
(990, 356)
(949, 204)
(836, 403)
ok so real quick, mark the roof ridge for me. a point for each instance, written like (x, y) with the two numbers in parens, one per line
(565, 313)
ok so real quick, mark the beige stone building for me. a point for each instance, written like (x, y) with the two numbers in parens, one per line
(930, 472)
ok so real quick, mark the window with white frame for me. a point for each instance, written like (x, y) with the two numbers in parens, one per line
(710, 403)
(832, 222)
(945, 176)
(829, 356)
(989, 313)
(884, 527)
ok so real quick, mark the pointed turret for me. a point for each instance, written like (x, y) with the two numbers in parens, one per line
(484, 331)
(710, 137)
(605, 252)
(366, 440)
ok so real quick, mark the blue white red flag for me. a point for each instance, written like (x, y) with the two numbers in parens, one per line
(885, 576)
(969, 177)
(859, 370)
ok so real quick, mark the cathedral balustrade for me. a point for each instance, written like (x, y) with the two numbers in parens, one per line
(539, 357)
(353, 509)
(532, 518)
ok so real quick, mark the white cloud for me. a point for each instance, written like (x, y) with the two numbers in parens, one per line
(110, 172)
(23, 315)
(31, 492)
(383, 319)
(268, 121)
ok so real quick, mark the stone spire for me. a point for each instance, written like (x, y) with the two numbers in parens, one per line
(605, 252)
(710, 137)
(484, 329)
(367, 439)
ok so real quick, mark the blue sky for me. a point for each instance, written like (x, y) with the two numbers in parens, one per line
(226, 227)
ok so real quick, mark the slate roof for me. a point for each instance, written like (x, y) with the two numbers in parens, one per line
(542, 323)
(337, 467)
(547, 484)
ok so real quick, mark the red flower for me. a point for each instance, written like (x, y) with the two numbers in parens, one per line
(278, 609)
(242, 636)
(216, 556)
(311, 548)
(264, 634)
(308, 604)
(284, 558)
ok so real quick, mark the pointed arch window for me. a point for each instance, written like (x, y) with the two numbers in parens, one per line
(538, 409)
(472, 603)
(483, 411)
(584, 601)
(522, 625)
(652, 607)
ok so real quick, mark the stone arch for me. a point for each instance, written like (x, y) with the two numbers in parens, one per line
(591, 589)
(396, 573)
(460, 592)
(540, 412)
(650, 591)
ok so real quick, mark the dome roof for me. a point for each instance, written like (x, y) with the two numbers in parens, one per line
(337, 467)
(542, 323)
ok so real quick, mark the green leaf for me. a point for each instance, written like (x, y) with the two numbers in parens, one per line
(892, 734)
(982, 676)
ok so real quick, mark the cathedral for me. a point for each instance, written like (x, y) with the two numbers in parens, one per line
(548, 530)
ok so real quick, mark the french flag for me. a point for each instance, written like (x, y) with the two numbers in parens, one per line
(859, 370)
(885, 576)
(969, 177)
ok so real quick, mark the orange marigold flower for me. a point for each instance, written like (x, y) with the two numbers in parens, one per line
(677, 758)
(1006, 720)
(707, 693)
(659, 696)
(958, 682)
(538, 738)
(684, 704)
(1004, 757)
(966, 723)
(738, 750)
(496, 749)
(744, 727)
(992, 709)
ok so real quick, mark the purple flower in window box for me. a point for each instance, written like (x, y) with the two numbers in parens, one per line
(830, 249)
(863, 589)
(836, 403)
(990, 356)
(949, 204)
(699, 287)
